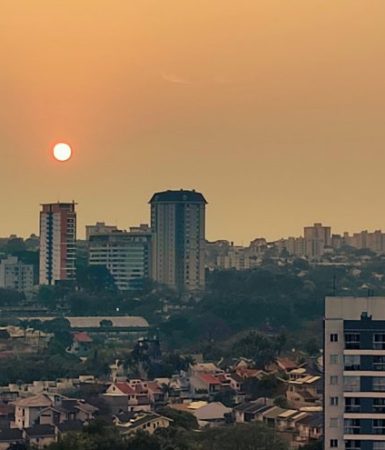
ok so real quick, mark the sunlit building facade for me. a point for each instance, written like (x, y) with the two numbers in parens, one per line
(178, 242)
(57, 243)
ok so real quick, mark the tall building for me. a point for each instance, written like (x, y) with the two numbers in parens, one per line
(178, 227)
(354, 363)
(316, 238)
(126, 255)
(57, 242)
(14, 274)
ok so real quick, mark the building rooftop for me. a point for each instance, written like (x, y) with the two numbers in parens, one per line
(40, 400)
(178, 196)
(40, 431)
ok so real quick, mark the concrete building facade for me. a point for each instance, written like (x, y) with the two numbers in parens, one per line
(354, 363)
(16, 275)
(126, 255)
(316, 237)
(57, 243)
(178, 249)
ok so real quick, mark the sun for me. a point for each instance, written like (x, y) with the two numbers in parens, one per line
(62, 152)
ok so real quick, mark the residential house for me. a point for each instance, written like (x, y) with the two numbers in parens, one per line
(310, 427)
(204, 385)
(44, 409)
(304, 391)
(40, 436)
(81, 344)
(10, 437)
(130, 422)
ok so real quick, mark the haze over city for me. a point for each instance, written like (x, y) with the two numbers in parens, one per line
(273, 109)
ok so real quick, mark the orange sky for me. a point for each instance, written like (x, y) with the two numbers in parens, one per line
(274, 109)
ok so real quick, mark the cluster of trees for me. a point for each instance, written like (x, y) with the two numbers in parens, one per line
(98, 436)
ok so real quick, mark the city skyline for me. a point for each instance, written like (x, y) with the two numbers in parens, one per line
(273, 110)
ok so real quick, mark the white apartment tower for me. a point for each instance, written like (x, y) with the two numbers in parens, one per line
(57, 243)
(354, 363)
(178, 239)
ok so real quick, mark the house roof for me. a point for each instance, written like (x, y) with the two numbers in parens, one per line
(40, 400)
(312, 420)
(140, 419)
(252, 407)
(95, 321)
(40, 431)
(70, 425)
(125, 388)
(287, 364)
(212, 411)
(273, 412)
(208, 378)
(11, 435)
(82, 337)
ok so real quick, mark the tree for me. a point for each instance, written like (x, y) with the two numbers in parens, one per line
(180, 419)
(254, 436)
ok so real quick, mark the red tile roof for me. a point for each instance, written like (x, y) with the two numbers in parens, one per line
(125, 388)
(210, 379)
(82, 337)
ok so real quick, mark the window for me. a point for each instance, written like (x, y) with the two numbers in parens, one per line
(333, 380)
(352, 445)
(378, 362)
(379, 341)
(378, 384)
(379, 445)
(352, 404)
(352, 362)
(333, 359)
(333, 401)
(352, 340)
(379, 405)
(352, 384)
(352, 426)
(333, 443)
(333, 422)
(334, 337)
(378, 426)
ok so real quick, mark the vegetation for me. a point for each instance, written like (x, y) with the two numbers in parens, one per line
(98, 436)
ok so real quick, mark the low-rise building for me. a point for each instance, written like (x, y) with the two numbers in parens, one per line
(14, 274)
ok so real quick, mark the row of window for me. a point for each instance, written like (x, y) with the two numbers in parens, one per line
(353, 362)
(353, 404)
(356, 445)
(353, 383)
(353, 340)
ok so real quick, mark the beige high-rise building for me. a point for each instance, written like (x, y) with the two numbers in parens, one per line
(317, 238)
(57, 243)
(178, 240)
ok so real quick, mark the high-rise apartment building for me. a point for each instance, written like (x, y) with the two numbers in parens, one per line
(57, 242)
(178, 243)
(354, 363)
(126, 255)
(317, 237)
(14, 274)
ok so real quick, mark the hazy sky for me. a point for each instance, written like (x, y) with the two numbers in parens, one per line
(274, 109)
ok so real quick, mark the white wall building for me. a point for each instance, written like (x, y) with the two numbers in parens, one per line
(354, 362)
